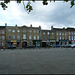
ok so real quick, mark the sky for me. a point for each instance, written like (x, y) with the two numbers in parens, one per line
(57, 14)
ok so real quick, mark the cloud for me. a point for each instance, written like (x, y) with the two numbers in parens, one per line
(57, 13)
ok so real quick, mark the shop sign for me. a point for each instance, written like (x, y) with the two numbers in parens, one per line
(13, 40)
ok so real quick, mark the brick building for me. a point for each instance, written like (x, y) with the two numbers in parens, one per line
(2, 36)
(22, 36)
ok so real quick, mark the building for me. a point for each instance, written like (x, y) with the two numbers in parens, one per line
(2, 36)
(64, 35)
(14, 36)
(31, 36)
(23, 36)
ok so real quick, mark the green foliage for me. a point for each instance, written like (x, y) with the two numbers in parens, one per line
(72, 3)
(28, 7)
(45, 2)
(19, 1)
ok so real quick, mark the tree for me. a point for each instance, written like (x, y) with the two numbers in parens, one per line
(28, 8)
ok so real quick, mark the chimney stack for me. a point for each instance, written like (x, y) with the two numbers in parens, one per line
(31, 25)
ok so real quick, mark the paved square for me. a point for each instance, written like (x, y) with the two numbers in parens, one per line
(37, 61)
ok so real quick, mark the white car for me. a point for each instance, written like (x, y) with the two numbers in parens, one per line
(73, 45)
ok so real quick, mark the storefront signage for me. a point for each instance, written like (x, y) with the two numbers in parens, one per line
(13, 40)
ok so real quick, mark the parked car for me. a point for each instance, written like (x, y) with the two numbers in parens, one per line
(11, 46)
(56, 46)
(73, 46)
(30, 46)
(67, 46)
(49, 45)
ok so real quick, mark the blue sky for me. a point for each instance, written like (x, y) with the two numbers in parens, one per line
(59, 14)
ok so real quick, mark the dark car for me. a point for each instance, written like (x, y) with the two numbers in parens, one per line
(56, 46)
(30, 46)
(11, 46)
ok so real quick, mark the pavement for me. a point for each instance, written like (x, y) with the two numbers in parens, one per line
(37, 61)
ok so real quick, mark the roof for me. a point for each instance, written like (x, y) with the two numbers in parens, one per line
(2, 27)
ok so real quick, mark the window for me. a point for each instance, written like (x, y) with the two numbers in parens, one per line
(69, 33)
(9, 37)
(57, 38)
(9, 30)
(48, 33)
(57, 33)
(48, 38)
(43, 37)
(34, 37)
(52, 37)
(69, 37)
(24, 36)
(52, 33)
(18, 30)
(65, 37)
(38, 37)
(65, 33)
(72, 33)
(60, 33)
(18, 37)
(38, 31)
(72, 37)
(30, 37)
(3, 37)
(30, 31)
(2, 32)
(13, 36)
(2, 43)
(34, 31)
(60, 37)
(43, 32)
(13, 31)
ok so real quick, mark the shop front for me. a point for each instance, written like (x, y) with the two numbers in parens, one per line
(52, 42)
(24, 44)
(63, 42)
(15, 43)
(37, 43)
